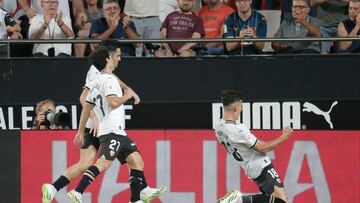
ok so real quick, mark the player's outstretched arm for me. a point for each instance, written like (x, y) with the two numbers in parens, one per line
(265, 147)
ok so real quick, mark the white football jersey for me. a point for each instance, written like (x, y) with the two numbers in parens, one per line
(113, 120)
(91, 76)
(239, 142)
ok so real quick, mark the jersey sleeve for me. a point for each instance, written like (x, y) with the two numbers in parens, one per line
(90, 78)
(90, 98)
(112, 87)
(244, 136)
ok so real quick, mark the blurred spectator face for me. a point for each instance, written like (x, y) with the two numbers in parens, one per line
(185, 5)
(50, 6)
(300, 7)
(111, 10)
(354, 10)
(243, 6)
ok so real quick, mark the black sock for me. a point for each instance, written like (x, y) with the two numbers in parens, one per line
(260, 198)
(60, 183)
(88, 177)
(144, 183)
(136, 182)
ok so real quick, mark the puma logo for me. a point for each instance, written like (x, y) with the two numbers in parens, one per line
(309, 107)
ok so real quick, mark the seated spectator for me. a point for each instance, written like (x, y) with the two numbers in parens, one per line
(213, 16)
(330, 13)
(51, 25)
(350, 28)
(111, 26)
(83, 23)
(8, 27)
(244, 23)
(300, 25)
(181, 24)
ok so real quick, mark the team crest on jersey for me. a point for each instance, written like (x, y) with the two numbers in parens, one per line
(112, 153)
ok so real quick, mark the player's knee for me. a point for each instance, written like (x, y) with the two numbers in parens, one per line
(103, 164)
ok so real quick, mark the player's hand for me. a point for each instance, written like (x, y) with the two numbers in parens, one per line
(287, 131)
(79, 139)
(137, 98)
(95, 129)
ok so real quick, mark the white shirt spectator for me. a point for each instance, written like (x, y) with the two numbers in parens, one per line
(142, 8)
(166, 7)
(53, 31)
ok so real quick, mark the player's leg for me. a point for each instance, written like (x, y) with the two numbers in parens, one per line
(110, 147)
(87, 157)
(139, 187)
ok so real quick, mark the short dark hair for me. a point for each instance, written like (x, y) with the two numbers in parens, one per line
(229, 96)
(110, 44)
(98, 57)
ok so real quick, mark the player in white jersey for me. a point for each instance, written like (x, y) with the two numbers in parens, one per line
(250, 152)
(91, 141)
(107, 95)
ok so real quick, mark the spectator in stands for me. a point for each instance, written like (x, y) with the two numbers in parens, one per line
(145, 15)
(181, 24)
(166, 7)
(51, 25)
(83, 23)
(213, 16)
(350, 28)
(112, 26)
(301, 25)
(245, 23)
(330, 13)
(8, 27)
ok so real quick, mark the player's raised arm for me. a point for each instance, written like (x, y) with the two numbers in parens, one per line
(265, 147)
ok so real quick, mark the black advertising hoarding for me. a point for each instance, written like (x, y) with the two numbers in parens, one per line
(10, 166)
(190, 80)
(337, 115)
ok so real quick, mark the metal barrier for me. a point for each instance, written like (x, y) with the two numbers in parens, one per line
(172, 40)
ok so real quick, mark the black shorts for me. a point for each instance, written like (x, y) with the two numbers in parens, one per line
(268, 179)
(116, 146)
(89, 139)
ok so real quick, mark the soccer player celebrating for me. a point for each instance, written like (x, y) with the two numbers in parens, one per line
(250, 152)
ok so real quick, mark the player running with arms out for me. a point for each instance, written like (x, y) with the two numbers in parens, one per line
(250, 152)
(107, 95)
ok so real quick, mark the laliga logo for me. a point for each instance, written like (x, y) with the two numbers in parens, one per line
(309, 107)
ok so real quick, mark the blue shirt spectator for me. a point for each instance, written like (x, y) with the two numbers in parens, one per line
(252, 27)
(100, 25)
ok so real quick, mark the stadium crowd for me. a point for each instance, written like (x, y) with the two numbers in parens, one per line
(161, 19)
